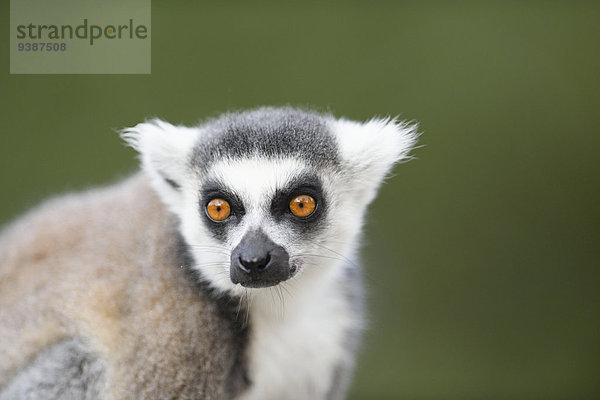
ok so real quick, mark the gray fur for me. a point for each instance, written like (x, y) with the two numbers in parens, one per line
(63, 371)
(268, 132)
(353, 337)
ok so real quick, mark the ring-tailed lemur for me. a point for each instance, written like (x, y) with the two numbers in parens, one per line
(227, 268)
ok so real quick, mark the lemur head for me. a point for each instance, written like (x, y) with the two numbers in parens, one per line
(269, 195)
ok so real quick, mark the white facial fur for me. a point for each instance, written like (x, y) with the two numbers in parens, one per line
(254, 181)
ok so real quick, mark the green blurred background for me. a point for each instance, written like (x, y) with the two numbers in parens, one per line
(482, 254)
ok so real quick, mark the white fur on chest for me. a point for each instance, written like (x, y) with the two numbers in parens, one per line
(294, 352)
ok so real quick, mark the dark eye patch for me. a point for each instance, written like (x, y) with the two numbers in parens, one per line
(213, 190)
(280, 203)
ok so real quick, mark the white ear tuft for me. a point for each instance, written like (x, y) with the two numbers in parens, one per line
(164, 152)
(371, 149)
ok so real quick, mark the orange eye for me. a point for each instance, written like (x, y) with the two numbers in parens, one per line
(218, 209)
(303, 205)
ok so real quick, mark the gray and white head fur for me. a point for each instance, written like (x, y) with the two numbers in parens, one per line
(258, 159)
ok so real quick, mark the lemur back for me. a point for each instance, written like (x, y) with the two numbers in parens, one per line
(97, 283)
(227, 268)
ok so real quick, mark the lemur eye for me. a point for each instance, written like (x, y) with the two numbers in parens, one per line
(218, 209)
(303, 205)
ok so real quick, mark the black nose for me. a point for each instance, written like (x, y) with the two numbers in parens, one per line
(250, 264)
(257, 261)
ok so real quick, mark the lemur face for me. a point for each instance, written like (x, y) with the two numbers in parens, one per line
(265, 213)
(269, 196)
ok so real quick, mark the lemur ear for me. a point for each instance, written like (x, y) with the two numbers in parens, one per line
(372, 148)
(164, 152)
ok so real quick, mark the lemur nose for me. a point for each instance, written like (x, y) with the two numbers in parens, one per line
(258, 262)
(251, 264)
